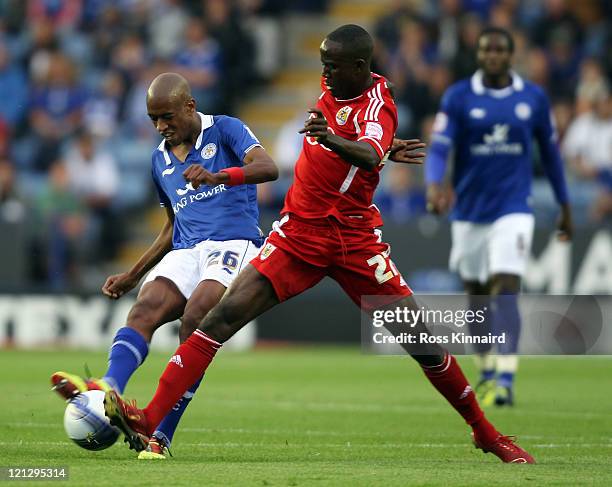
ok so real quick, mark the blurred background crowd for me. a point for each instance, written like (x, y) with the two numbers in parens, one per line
(75, 139)
(562, 45)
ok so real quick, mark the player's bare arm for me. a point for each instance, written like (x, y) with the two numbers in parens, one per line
(259, 167)
(119, 284)
(360, 154)
(407, 151)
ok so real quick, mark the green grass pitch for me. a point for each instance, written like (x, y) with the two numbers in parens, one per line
(321, 416)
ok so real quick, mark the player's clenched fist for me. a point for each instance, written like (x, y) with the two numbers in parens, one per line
(316, 126)
(119, 284)
(197, 175)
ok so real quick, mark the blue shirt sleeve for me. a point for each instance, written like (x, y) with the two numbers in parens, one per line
(546, 135)
(238, 137)
(445, 130)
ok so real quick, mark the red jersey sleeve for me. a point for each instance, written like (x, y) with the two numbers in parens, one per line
(377, 124)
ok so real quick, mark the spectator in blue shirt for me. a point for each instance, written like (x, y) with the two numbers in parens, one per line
(13, 89)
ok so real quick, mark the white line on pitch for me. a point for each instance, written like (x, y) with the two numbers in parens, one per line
(321, 445)
(307, 433)
(382, 408)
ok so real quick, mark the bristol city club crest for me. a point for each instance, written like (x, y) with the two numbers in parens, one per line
(266, 251)
(342, 115)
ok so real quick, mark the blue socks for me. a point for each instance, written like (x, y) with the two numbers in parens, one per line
(487, 374)
(165, 430)
(505, 379)
(481, 304)
(128, 351)
(507, 319)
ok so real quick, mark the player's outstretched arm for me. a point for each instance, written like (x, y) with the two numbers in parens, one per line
(360, 154)
(119, 284)
(407, 151)
(258, 168)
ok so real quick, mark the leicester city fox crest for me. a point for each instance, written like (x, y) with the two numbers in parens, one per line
(522, 111)
(209, 151)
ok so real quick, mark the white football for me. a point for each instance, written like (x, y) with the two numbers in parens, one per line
(86, 424)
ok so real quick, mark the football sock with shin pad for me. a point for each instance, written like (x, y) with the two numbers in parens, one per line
(127, 353)
(167, 427)
(186, 366)
(449, 380)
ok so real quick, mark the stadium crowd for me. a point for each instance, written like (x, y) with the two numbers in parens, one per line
(561, 45)
(75, 140)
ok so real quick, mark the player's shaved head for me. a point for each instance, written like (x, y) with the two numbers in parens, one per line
(354, 41)
(169, 86)
(172, 109)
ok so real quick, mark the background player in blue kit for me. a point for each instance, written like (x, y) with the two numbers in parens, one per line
(489, 122)
(211, 234)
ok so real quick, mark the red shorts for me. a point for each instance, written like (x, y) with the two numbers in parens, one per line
(299, 253)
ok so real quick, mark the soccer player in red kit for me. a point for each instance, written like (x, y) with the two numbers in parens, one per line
(328, 228)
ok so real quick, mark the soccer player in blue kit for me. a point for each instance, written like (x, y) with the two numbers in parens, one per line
(210, 234)
(489, 122)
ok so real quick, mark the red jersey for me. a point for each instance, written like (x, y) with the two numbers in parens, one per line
(324, 183)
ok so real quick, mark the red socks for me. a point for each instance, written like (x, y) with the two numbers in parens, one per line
(186, 366)
(449, 380)
(194, 356)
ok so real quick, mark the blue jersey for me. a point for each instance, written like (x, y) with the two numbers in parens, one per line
(491, 133)
(210, 212)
